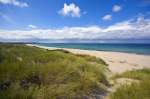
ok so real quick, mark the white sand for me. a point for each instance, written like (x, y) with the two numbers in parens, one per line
(118, 62)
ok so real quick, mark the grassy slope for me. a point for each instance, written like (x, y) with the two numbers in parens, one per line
(34, 73)
(139, 90)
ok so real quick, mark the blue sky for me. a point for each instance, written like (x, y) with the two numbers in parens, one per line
(74, 19)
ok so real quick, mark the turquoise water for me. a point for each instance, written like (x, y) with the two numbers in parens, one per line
(128, 48)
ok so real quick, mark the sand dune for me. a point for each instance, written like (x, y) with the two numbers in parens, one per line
(118, 62)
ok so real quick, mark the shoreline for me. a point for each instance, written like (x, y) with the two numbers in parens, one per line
(118, 62)
(51, 48)
(102, 50)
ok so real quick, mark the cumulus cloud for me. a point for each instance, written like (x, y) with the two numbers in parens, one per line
(15, 3)
(70, 10)
(129, 29)
(32, 26)
(107, 17)
(116, 8)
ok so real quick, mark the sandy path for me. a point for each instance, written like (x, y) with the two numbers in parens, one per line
(118, 62)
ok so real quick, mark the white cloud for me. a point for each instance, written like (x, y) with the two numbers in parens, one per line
(116, 8)
(70, 10)
(125, 25)
(129, 29)
(107, 17)
(15, 3)
(32, 26)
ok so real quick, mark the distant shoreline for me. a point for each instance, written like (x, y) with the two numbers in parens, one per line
(50, 47)
(118, 61)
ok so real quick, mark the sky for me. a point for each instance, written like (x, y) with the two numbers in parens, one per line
(48, 20)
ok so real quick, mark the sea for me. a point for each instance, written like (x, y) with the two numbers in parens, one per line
(127, 48)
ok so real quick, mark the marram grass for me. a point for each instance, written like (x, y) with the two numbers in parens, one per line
(136, 90)
(34, 73)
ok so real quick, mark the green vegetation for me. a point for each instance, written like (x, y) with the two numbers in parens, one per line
(143, 74)
(136, 90)
(92, 59)
(34, 73)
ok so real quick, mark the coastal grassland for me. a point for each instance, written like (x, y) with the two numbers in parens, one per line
(135, 90)
(93, 59)
(33, 73)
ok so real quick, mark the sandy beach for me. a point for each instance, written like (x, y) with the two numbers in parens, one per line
(118, 62)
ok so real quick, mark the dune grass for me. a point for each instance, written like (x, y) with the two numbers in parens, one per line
(93, 59)
(34, 73)
(136, 90)
(135, 74)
